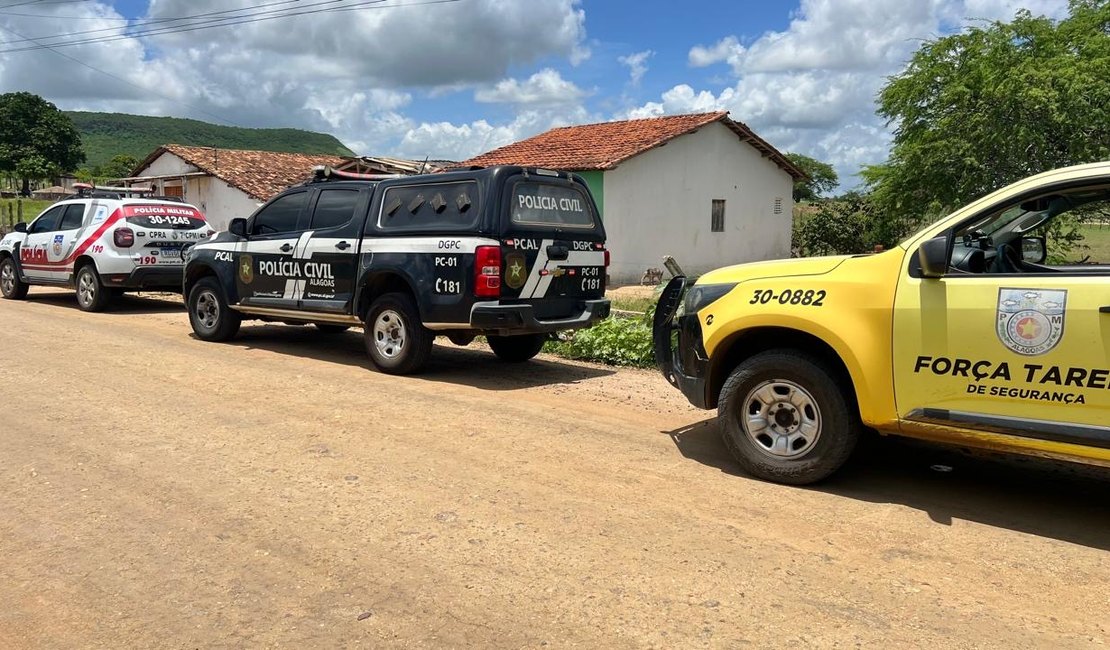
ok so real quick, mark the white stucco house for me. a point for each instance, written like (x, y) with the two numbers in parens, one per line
(703, 188)
(224, 183)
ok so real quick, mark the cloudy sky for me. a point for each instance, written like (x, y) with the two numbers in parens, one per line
(454, 78)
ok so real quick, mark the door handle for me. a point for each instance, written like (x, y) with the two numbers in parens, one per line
(285, 248)
(342, 245)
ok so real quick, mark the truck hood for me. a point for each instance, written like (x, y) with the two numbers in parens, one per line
(773, 268)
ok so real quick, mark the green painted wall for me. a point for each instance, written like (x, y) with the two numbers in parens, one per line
(595, 181)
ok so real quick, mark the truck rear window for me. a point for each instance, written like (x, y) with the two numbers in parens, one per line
(544, 204)
(173, 217)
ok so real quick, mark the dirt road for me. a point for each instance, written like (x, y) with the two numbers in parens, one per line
(158, 491)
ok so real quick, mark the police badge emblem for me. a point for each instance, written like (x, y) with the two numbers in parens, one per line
(516, 270)
(246, 269)
(1031, 321)
(57, 247)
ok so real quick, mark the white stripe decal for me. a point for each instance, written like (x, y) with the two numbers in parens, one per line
(302, 244)
(529, 287)
(445, 245)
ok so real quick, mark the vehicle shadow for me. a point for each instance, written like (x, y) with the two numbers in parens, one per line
(1039, 497)
(154, 303)
(466, 366)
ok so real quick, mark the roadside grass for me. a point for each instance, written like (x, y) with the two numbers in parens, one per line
(31, 209)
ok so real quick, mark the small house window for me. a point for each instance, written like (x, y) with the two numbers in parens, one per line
(718, 216)
(778, 205)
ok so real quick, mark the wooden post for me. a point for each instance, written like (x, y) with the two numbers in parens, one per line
(19, 209)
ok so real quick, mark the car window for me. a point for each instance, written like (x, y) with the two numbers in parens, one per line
(334, 208)
(48, 221)
(439, 206)
(73, 216)
(1054, 232)
(281, 215)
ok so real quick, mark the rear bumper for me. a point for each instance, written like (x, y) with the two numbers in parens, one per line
(507, 320)
(679, 352)
(162, 278)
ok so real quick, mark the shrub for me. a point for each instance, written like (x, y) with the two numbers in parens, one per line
(615, 341)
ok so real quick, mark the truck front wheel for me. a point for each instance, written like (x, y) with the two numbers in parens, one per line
(786, 418)
(209, 315)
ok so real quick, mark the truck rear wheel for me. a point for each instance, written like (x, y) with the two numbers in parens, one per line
(10, 285)
(396, 341)
(786, 418)
(92, 295)
(516, 349)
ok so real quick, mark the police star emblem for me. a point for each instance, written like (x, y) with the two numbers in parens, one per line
(246, 269)
(1030, 322)
(516, 270)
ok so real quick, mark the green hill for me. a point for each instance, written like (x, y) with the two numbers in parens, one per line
(108, 134)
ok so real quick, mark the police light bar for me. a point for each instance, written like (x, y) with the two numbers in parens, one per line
(325, 172)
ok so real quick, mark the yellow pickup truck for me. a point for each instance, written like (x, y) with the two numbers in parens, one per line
(964, 333)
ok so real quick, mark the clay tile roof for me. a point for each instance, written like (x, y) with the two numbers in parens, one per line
(605, 145)
(261, 174)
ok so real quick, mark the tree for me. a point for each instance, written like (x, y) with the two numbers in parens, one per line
(36, 139)
(978, 110)
(822, 177)
(119, 166)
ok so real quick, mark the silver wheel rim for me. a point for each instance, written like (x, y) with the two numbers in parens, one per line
(207, 310)
(86, 288)
(782, 419)
(389, 334)
(7, 278)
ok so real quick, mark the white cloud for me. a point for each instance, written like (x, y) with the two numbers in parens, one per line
(546, 87)
(637, 65)
(812, 87)
(728, 50)
(446, 140)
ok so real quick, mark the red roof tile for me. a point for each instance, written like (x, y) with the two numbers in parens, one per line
(605, 145)
(261, 174)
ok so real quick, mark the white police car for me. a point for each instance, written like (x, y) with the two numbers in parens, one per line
(102, 241)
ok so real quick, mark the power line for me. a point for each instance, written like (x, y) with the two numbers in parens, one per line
(226, 21)
(126, 81)
(152, 21)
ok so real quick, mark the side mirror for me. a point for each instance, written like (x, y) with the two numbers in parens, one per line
(933, 256)
(20, 227)
(238, 227)
(1034, 250)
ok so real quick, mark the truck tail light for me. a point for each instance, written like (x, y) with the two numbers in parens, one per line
(124, 237)
(606, 258)
(487, 272)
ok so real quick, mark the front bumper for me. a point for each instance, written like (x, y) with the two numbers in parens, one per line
(679, 351)
(161, 278)
(507, 320)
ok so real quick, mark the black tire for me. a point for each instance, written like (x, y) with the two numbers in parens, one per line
(11, 286)
(516, 349)
(331, 328)
(396, 340)
(92, 295)
(211, 318)
(787, 450)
